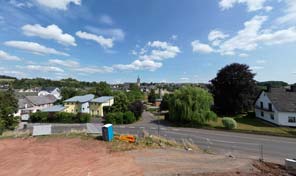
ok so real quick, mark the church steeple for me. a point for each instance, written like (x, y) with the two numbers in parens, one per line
(138, 81)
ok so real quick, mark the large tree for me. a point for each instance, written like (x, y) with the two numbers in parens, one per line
(191, 105)
(103, 89)
(8, 106)
(234, 89)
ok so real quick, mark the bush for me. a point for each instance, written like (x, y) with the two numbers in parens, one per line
(84, 118)
(41, 117)
(120, 118)
(229, 123)
(114, 118)
(128, 117)
(137, 108)
(2, 126)
(60, 117)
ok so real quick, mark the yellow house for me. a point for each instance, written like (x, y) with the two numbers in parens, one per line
(97, 105)
(88, 104)
(78, 104)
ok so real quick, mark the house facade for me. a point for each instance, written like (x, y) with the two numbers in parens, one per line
(88, 104)
(278, 106)
(51, 91)
(32, 104)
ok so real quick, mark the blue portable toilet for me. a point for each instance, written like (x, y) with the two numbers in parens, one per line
(107, 132)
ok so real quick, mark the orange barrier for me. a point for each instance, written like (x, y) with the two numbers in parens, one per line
(127, 138)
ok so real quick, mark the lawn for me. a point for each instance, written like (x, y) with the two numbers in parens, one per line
(248, 123)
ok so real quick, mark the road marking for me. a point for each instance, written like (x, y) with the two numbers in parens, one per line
(242, 137)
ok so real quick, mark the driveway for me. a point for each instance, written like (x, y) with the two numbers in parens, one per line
(271, 148)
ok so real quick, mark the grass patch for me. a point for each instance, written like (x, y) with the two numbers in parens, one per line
(249, 123)
(151, 142)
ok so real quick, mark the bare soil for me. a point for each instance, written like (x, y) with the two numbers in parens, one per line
(57, 156)
(62, 156)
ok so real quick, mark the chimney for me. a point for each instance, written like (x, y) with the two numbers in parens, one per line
(293, 88)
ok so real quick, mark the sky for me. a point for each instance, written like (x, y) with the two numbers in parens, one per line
(159, 40)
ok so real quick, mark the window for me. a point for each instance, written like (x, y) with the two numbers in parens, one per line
(261, 104)
(262, 114)
(269, 106)
(292, 119)
(271, 116)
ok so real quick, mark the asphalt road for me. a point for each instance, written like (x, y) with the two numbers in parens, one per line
(271, 148)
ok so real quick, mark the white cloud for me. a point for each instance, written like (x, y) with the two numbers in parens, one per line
(15, 73)
(150, 65)
(20, 4)
(49, 32)
(260, 61)
(253, 5)
(216, 35)
(150, 57)
(58, 4)
(6, 56)
(290, 13)
(174, 37)
(104, 42)
(34, 48)
(65, 63)
(243, 55)
(268, 8)
(92, 70)
(106, 19)
(256, 68)
(245, 38)
(42, 68)
(184, 79)
(114, 33)
(198, 47)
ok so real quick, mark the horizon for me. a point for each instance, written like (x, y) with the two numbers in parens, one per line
(161, 41)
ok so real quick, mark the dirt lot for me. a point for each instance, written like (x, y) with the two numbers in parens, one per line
(57, 156)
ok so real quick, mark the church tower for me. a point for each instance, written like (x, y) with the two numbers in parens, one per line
(138, 82)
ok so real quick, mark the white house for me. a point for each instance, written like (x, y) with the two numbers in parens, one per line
(32, 104)
(278, 106)
(51, 91)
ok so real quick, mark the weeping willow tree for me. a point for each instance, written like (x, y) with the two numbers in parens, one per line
(191, 105)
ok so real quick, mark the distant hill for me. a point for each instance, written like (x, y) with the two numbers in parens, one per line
(6, 77)
(272, 84)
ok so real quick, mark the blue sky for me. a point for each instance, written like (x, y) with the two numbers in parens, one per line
(161, 41)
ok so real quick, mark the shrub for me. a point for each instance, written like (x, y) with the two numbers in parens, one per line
(128, 117)
(84, 118)
(41, 117)
(137, 108)
(2, 126)
(229, 123)
(114, 118)
(64, 117)
(60, 117)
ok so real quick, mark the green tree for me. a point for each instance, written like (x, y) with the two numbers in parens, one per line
(234, 89)
(120, 102)
(68, 92)
(191, 105)
(152, 96)
(8, 106)
(137, 108)
(164, 106)
(103, 89)
(135, 93)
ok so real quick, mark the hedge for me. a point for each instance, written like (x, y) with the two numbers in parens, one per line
(2, 126)
(60, 117)
(120, 118)
(229, 123)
